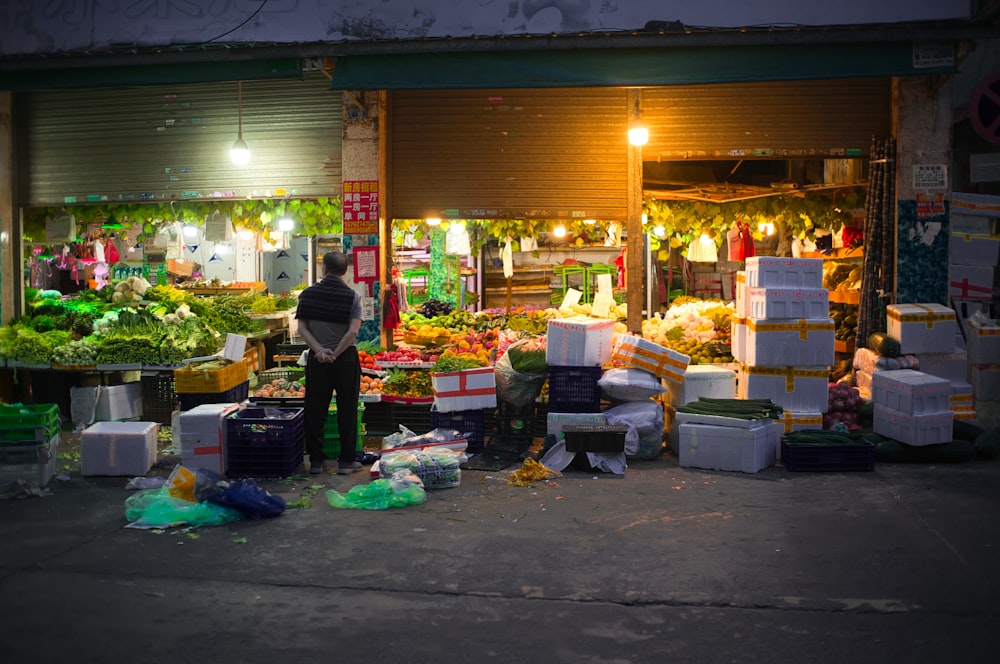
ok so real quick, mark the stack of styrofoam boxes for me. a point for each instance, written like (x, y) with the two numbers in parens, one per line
(583, 344)
(788, 338)
(955, 367)
(866, 362)
(974, 253)
(118, 448)
(912, 407)
(984, 371)
(922, 331)
(203, 435)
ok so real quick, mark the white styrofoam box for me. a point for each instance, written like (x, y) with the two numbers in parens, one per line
(118, 448)
(969, 224)
(579, 341)
(470, 389)
(974, 213)
(738, 338)
(921, 328)
(716, 420)
(983, 341)
(763, 302)
(971, 282)
(555, 422)
(728, 448)
(800, 421)
(962, 403)
(965, 249)
(780, 272)
(203, 435)
(985, 379)
(639, 353)
(792, 388)
(796, 342)
(702, 380)
(912, 392)
(917, 430)
(119, 402)
(741, 294)
(954, 366)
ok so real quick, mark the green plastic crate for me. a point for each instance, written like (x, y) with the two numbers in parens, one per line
(331, 437)
(28, 423)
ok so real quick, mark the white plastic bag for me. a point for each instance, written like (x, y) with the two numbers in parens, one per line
(630, 385)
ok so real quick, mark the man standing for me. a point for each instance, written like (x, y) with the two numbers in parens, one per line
(329, 315)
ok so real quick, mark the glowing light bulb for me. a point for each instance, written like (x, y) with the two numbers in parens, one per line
(286, 224)
(559, 231)
(433, 221)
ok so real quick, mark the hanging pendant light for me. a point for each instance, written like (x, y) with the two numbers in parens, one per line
(240, 152)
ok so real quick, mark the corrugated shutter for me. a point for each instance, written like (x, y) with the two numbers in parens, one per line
(509, 153)
(776, 120)
(172, 142)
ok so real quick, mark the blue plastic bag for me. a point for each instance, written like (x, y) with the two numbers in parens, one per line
(251, 499)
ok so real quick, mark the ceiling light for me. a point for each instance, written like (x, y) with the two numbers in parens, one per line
(590, 222)
(638, 133)
(240, 153)
(286, 224)
(190, 231)
(245, 234)
(559, 231)
(433, 221)
(659, 231)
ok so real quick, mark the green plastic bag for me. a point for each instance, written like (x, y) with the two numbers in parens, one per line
(156, 508)
(402, 489)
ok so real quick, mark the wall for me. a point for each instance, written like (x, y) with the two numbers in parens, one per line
(76, 25)
(922, 107)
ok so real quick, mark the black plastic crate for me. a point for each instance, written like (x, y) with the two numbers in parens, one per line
(575, 389)
(828, 458)
(416, 417)
(505, 409)
(595, 437)
(265, 447)
(236, 394)
(378, 419)
(470, 422)
(159, 400)
(516, 426)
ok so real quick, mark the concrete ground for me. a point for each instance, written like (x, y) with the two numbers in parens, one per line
(665, 564)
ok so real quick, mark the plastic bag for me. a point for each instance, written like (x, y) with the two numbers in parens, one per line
(403, 488)
(180, 484)
(156, 508)
(515, 387)
(645, 422)
(630, 385)
(250, 499)
(438, 468)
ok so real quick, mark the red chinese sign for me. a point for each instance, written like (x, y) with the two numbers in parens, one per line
(360, 207)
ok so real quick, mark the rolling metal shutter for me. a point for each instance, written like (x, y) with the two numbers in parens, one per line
(508, 153)
(172, 142)
(776, 120)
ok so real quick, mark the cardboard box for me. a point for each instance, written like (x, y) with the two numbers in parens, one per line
(921, 328)
(805, 390)
(741, 294)
(954, 365)
(911, 392)
(985, 380)
(917, 430)
(738, 338)
(971, 282)
(556, 422)
(784, 273)
(119, 402)
(983, 341)
(809, 303)
(783, 342)
(118, 448)
(464, 390)
(639, 353)
(579, 341)
(966, 249)
(702, 380)
(728, 448)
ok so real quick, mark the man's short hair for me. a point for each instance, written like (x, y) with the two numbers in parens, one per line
(335, 262)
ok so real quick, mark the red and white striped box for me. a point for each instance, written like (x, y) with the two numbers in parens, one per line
(912, 392)
(469, 389)
(916, 430)
(971, 282)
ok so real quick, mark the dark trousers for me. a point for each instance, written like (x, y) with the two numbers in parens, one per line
(322, 379)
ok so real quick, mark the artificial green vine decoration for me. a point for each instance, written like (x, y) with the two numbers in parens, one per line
(322, 216)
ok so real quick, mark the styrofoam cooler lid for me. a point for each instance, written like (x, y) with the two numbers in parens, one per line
(121, 428)
(707, 372)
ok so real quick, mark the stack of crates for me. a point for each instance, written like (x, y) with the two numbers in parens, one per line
(469, 423)
(229, 384)
(29, 437)
(331, 435)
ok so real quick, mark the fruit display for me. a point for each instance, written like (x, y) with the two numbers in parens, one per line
(701, 329)
(845, 318)
(408, 383)
(370, 385)
(281, 388)
(390, 358)
(367, 360)
(432, 308)
(841, 275)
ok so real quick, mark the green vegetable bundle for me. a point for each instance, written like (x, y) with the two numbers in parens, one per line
(528, 357)
(75, 353)
(452, 363)
(744, 409)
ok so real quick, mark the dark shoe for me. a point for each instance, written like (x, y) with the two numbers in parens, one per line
(318, 468)
(348, 468)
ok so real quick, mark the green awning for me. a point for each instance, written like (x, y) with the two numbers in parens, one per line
(153, 74)
(627, 67)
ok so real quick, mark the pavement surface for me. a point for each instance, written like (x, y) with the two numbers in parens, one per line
(665, 564)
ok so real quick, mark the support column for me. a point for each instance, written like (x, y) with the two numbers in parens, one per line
(9, 272)
(922, 122)
(634, 272)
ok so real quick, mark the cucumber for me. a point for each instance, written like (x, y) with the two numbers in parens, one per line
(957, 451)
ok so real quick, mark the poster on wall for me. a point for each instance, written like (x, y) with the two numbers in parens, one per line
(360, 207)
(365, 266)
